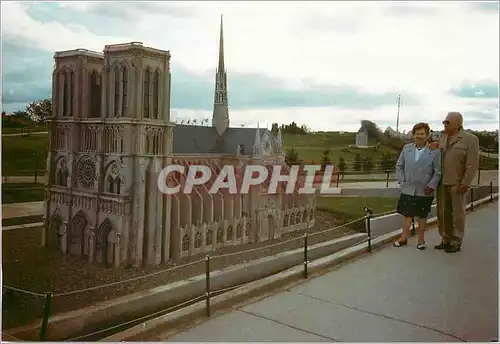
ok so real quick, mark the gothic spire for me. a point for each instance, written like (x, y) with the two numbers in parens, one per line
(220, 117)
(221, 46)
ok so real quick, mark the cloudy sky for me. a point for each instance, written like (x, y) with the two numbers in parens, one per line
(327, 64)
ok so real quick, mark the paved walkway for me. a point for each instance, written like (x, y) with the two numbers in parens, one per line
(490, 155)
(22, 134)
(396, 294)
(22, 209)
(24, 179)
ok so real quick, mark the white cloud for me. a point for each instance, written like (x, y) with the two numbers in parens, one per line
(421, 48)
(51, 36)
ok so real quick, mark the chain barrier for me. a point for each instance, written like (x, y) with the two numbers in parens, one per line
(384, 213)
(23, 291)
(255, 249)
(128, 280)
(144, 318)
(337, 227)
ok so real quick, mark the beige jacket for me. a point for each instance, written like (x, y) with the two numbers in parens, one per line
(461, 158)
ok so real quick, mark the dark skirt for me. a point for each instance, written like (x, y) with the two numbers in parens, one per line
(415, 206)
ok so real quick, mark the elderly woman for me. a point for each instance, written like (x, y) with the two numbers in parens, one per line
(418, 172)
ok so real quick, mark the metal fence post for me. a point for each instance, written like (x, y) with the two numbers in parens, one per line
(471, 199)
(207, 285)
(306, 274)
(491, 191)
(36, 166)
(368, 213)
(45, 318)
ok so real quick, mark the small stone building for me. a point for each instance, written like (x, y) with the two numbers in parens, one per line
(362, 138)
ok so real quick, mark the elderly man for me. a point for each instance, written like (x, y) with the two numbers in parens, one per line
(460, 151)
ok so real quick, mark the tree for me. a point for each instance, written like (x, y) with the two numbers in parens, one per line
(387, 163)
(367, 165)
(40, 110)
(342, 166)
(357, 163)
(274, 128)
(325, 159)
(374, 133)
(293, 128)
(292, 157)
(20, 114)
(325, 156)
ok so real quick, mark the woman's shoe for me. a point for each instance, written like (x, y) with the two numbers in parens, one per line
(400, 243)
(421, 246)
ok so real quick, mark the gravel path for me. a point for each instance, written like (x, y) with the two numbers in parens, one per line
(30, 267)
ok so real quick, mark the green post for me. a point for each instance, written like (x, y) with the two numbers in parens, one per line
(45, 319)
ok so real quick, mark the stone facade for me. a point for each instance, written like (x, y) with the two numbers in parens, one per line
(111, 135)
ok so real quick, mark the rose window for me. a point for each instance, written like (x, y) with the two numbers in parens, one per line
(86, 172)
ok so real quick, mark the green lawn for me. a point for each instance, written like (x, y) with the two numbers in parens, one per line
(22, 192)
(351, 208)
(7, 130)
(488, 163)
(311, 146)
(22, 220)
(22, 154)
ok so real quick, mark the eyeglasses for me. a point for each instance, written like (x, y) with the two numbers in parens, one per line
(446, 122)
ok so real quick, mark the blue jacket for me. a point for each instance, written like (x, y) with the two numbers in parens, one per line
(414, 176)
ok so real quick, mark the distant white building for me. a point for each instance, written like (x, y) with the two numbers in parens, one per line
(362, 138)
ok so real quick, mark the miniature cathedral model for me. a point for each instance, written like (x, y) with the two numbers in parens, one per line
(111, 135)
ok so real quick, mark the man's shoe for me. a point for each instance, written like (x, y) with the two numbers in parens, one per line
(442, 246)
(452, 249)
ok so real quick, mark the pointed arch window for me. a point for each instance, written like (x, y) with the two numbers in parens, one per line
(65, 93)
(71, 92)
(124, 90)
(117, 91)
(147, 92)
(111, 184)
(156, 92)
(95, 95)
(208, 239)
